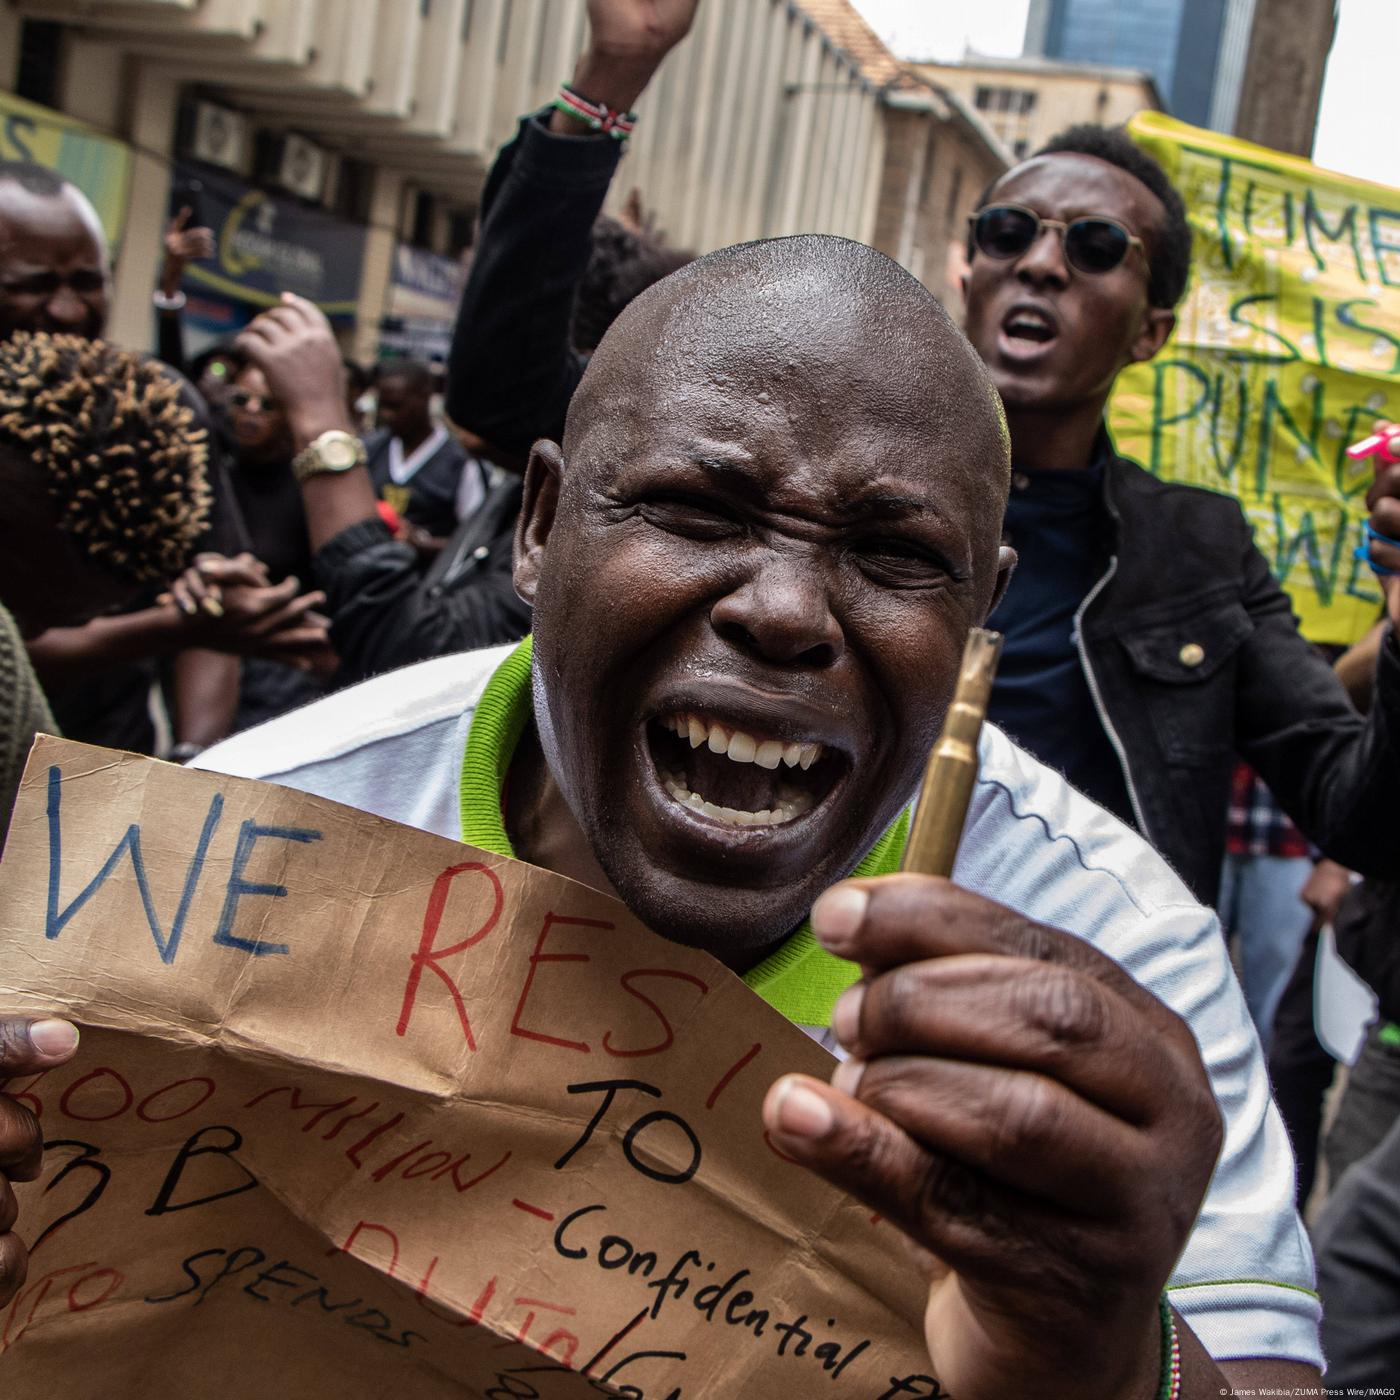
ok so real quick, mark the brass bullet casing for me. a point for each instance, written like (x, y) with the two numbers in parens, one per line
(952, 764)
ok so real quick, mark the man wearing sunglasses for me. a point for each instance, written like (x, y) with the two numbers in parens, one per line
(1146, 640)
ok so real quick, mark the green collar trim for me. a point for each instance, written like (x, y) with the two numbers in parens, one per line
(496, 727)
(800, 978)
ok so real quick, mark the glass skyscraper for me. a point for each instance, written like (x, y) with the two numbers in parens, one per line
(1178, 41)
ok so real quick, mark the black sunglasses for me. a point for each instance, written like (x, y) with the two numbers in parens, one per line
(241, 398)
(1094, 244)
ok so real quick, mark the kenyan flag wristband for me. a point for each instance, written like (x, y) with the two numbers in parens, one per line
(601, 118)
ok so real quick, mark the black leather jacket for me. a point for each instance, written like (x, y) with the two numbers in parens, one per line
(1193, 656)
(385, 612)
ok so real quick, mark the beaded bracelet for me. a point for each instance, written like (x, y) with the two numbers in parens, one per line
(597, 115)
(1169, 1388)
(1363, 551)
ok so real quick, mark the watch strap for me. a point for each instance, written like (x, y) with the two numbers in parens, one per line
(313, 459)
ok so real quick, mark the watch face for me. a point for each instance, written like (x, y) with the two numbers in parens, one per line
(339, 452)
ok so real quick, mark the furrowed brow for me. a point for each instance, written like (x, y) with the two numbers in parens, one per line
(740, 479)
(887, 505)
(746, 480)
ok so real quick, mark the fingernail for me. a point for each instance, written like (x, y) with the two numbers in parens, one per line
(800, 1112)
(187, 606)
(847, 1076)
(213, 607)
(53, 1037)
(845, 1015)
(838, 913)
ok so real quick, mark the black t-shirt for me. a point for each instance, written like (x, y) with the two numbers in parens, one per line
(270, 501)
(1055, 521)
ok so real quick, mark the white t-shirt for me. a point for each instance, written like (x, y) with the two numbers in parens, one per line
(394, 745)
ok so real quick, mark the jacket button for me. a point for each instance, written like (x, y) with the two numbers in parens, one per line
(1192, 654)
(1020, 480)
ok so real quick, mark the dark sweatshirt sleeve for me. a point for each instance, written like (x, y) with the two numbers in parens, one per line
(1335, 773)
(512, 369)
(170, 339)
(383, 615)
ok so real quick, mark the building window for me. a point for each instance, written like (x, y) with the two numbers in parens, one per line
(1018, 101)
(40, 50)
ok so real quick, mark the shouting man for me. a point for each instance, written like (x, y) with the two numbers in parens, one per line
(754, 560)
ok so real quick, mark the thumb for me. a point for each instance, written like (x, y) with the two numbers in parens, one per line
(29, 1046)
(856, 1149)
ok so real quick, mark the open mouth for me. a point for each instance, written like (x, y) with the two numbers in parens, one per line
(1029, 323)
(739, 778)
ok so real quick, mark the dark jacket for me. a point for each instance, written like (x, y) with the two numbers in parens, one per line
(512, 368)
(1194, 656)
(385, 613)
(1184, 570)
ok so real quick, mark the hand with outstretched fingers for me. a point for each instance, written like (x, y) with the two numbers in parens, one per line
(296, 349)
(27, 1046)
(1025, 1113)
(184, 244)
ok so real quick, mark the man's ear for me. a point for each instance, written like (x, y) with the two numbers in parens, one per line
(1157, 324)
(1006, 566)
(543, 474)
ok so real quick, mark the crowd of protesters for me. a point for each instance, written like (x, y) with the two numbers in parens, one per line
(192, 547)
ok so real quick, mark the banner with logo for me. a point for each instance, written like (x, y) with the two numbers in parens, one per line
(267, 244)
(1287, 347)
(98, 165)
(423, 292)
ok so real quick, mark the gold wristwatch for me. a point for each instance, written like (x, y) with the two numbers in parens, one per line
(333, 451)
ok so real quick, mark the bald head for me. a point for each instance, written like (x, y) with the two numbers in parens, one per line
(831, 314)
(53, 255)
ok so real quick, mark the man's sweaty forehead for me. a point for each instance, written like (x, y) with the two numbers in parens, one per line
(831, 323)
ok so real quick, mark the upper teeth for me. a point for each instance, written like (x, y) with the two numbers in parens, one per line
(741, 747)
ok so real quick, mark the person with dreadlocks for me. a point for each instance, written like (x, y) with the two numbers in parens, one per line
(54, 279)
(104, 475)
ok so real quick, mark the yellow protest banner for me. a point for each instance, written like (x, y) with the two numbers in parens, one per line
(1287, 347)
(99, 165)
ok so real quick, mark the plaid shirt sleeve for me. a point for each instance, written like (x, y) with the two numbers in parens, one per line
(1257, 825)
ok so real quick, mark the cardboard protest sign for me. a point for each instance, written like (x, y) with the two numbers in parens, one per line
(1287, 348)
(360, 1111)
